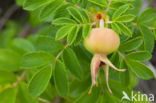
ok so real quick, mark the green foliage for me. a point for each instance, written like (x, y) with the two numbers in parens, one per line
(9, 60)
(141, 70)
(141, 56)
(7, 77)
(72, 63)
(62, 32)
(17, 45)
(84, 98)
(40, 81)
(131, 45)
(148, 38)
(124, 77)
(8, 95)
(48, 44)
(36, 59)
(72, 35)
(50, 9)
(23, 94)
(86, 30)
(54, 45)
(124, 29)
(120, 11)
(63, 21)
(61, 79)
(33, 4)
(125, 18)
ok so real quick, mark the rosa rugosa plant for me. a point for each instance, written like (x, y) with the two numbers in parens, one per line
(64, 49)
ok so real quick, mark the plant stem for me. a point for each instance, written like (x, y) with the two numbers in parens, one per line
(121, 55)
(7, 15)
(59, 54)
(57, 99)
(43, 100)
(20, 79)
(107, 8)
(93, 23)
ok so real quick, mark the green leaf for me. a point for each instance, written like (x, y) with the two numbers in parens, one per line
(107, 98)
(63, 32)
(116, 5)
(72, 35)
(20, 2)
(36, 59)
(141, 70)
(124, 76)
(101, 3)
(40, 81)
(8, 33)
(147, 16)
(61, 79)
(77, 88)
(76, 1)
(125, 18)
(50, 92)
(92, 98)
(50, 9)
(79, 37)
(62, 11)
(125, 30)
(148, 38)
(63, 21)
(23, 45)
(8, 95)
(75, 14)
(72, 63)
(7, 77)
(154, 31)
(86, 30)
(34, 18)
(131, 45)
(48, 44)
(33, 4)
(141, 56)
(116, 28)
(120, 11)
(138, 4)
(23, 95)
(9, 60)
(84, 15)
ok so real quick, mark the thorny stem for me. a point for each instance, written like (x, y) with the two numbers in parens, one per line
(20, 79)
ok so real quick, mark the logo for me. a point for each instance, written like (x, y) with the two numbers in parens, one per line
(137, 96)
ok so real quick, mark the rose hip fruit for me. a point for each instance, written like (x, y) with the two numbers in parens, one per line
(102, 40)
